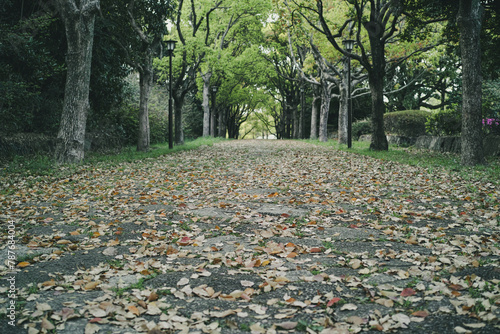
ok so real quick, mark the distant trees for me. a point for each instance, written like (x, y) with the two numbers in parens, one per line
(276, 59)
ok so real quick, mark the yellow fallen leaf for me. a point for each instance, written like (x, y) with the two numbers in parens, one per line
(23, 264)
(91, 285)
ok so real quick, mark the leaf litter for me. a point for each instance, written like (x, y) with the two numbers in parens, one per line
(254, 235)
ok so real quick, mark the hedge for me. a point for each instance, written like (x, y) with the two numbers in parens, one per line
(408, 123)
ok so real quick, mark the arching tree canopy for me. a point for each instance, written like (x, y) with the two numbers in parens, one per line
(274, 58)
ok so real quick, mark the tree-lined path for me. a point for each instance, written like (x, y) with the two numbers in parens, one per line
(261, 236)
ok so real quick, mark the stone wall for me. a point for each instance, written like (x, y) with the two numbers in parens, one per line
(491, 144)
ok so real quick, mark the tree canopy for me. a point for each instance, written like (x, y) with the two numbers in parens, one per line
(281, 63)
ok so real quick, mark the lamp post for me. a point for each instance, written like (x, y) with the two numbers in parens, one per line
(212, 116)
(302, 112)
(170, 51)
(348, 46)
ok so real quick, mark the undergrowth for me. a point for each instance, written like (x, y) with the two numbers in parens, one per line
(42, 165)
(430, 160)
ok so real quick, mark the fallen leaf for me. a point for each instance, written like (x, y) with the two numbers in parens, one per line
(247, 283)
(333, 301)
(46, 324)
(350, 307)
(91, 285)
(287, 325)
(421, 314)
(133, 309)
(407, 292)
(355, 320)
(183, 281)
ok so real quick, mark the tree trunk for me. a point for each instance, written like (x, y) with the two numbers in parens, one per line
(376, 81)
(205, 104)
(213, 119)
(79, 26)
(302, 113)
(314, 115)
(145, 83)
(343, 109)
(222, 123)
(295, 121)
(325, 109)
(179, 131)
(469, 19)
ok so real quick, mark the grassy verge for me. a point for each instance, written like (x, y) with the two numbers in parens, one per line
(45, 165)
(427, 159)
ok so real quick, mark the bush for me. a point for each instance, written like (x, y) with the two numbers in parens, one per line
(444, 123)
(408, 123)
(360, 128)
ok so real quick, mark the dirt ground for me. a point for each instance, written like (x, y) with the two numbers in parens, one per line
(250, 236)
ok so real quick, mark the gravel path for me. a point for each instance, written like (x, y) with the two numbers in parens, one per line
(251, 236)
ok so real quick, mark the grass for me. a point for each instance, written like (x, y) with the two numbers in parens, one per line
(427, 159)
(41, 165)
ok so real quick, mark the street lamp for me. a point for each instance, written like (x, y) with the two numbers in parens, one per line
(212, 118)
(348, 46)
(170, 52)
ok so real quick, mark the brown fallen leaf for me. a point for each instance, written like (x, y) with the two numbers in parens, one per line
(420, 314)
(133, 310)
(407, 292)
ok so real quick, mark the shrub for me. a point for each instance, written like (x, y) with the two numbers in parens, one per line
(408, 123)
(491, 126)
(360, 128)
(444, 123)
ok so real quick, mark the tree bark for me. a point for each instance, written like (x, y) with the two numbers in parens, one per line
(222, 123)
(302, 113)
(145, 82)
(179, 131)
(314, 115)
(376, 78)
(205, 104)
(79, 26)
(469, 20)
(325, 109)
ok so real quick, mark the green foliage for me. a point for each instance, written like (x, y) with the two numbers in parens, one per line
(360, 128)
(409, 123)
(444, 123)
(31, 68)
(491, 99)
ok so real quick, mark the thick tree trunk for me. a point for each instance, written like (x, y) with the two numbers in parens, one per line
(325, 109)
(205, 104)
(145, 82)
(79, 26)
(314, 116)
(469, 19)
(179, 131)
(376, 79)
